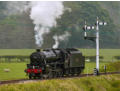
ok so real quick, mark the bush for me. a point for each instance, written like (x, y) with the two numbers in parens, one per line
(113, 66)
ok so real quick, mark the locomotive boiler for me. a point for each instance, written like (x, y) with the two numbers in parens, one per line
(50, 63)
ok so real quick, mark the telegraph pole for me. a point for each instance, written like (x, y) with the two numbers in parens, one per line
(96, 38)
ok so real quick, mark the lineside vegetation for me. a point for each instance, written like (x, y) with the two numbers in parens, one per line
(104, 83)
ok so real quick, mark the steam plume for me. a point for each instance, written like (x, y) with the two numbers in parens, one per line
(59, 38)
(44, 16)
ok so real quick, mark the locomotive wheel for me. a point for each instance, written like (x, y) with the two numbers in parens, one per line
(58, 74)
(50, 75)
(72, 72)
(34, 77)
(54, 74)
(30, 76)
(61, 74)
(78, 71)
(66, 72)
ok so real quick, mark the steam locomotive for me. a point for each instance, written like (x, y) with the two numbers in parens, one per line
(50, 63)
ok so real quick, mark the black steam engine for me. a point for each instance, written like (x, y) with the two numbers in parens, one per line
(50, 63)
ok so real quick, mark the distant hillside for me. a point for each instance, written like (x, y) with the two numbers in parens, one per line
(114, 10)
(17, 31)
(73, 22)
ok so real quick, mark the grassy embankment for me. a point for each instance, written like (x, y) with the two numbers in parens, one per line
(100, 83)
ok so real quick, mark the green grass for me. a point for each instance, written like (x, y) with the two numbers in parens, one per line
(89, 66)
(108, 54)
(100, 83)
(16, 52)
(112, 67)
(16, 71)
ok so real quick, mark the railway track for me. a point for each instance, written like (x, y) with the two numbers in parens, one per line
(33, 80)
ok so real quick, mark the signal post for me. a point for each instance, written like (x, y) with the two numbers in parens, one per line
(96, 39)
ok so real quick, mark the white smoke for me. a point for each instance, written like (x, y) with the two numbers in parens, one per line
(55, 37)
(43, 14)
(59, 38)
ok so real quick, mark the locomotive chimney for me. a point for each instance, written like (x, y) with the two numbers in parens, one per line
(38, 50)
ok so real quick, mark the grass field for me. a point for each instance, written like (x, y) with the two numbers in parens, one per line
(89, 66)
(108, 54)
(100, 83)
(16, 52)
(17, 70)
